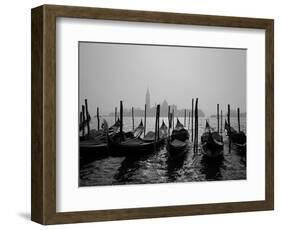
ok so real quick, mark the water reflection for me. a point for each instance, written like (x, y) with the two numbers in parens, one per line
(158, 167)
(129, 168)
(174, 165)
(211, 167)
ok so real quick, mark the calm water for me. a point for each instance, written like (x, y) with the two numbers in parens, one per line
(158, 168)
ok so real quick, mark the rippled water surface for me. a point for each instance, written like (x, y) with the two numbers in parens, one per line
(157, 167)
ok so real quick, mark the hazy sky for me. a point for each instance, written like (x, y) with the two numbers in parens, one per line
(109, 73)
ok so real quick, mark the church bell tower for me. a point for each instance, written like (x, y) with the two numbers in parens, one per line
(147, 99)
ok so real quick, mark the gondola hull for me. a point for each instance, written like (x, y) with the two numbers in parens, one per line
(181, 135)
(93, 151)
(238, 139)
(176, 148)
(177, 142)
(211, 143)
(211, 151)
(133, 147)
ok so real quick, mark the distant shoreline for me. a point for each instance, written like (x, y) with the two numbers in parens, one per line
(146, 116)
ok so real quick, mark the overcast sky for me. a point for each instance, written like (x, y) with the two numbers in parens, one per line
(109, 73)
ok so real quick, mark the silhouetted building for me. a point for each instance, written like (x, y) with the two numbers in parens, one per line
(151, 110)
(147, 99)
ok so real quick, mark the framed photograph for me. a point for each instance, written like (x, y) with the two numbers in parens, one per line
(140, 114)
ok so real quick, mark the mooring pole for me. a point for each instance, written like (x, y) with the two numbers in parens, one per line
(238, 116)
(173, 119)
(144, 120)
(121, 121)
(192, 108)
(184, 117)
(133, 119)
(158, 123)
(98, 117)
(155, 129)
(169, 111)
(169, 120)
(115, 114)
(197, 125)
(195, 149)
(228, 115)
(87, 117)
(188, 120)
(221, 121)
(83, 122)
(229, 129)
(218, 117)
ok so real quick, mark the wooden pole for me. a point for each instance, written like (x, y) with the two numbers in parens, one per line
(221, 121)
(98, 117)
(228, 121)
(188, 120)
(87, 117)
(133, 119)
(173, 119)
(83, 122)
(121, 121)
(115, 114)
(238, 116)
(169, 111)
(155, 129)
(158, 122)
(144, 120)
(228, 114)
(196, 127)
(185, 118)
(169, 115)
(218, 117)
(192, 119)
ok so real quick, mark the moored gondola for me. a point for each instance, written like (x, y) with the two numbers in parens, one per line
(163, 133)
(130, 145)
(177, 143)
(179, 132)
(97, 143)
(212, 142)
(95, 146)
(238, 139)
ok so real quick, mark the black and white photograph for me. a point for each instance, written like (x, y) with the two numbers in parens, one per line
(151, 113)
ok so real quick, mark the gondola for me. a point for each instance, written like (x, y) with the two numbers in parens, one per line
(126, 144)
(132, 147)
(137, 132)
(99, 135)
(97, 143)
(163, 133)
(180, 132)
(177, 142)
(114, 128)
(94, 147)
(212, 142)
(238, 139)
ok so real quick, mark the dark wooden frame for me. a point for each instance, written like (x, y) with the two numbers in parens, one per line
(43, 197)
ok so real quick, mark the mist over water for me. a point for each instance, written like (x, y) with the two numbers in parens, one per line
(110, 72)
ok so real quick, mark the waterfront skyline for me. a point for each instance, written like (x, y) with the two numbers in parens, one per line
(151, 109)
